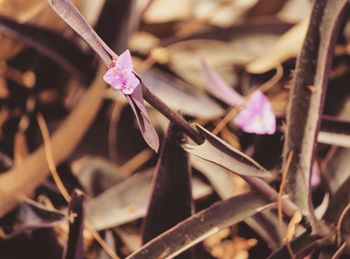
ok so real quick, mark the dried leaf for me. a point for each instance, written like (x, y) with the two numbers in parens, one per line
(265, 224)
(128, 201)
(96, 174)
(286, 47)
(180, 97)
(302, 246)
(336, 172)
(14, 184)
(51, 44)
(162, 11)
(30, 216)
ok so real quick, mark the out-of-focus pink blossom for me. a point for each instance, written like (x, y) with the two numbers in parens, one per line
(120, 74)
(315, 175)
(257, 116)
(218, 87)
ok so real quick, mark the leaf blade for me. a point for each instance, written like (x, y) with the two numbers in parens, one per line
(201, 225)
(220, 153)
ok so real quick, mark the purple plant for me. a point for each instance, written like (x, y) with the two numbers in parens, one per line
(283, 193)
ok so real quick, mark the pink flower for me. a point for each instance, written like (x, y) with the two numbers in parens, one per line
(120, 75)
(257, 115)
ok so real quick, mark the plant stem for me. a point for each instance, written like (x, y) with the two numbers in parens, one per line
(173, 116)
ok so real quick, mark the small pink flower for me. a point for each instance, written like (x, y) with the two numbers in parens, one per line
(257, 116)
(120, 74)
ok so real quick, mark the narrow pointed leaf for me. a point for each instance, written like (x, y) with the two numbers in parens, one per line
(217, 151)
(168, 206)
(31, 216)
(128, 201)
(217, 86)
(338, 202)
(71, 15)
(337, 170)
(265, 224)
(148, 132)
(202, 225)
(75, 247)
(301, 246)
(288, 46)
(218, 177)
(334, 131)
(181, 97)
(303, 118)
(51, 44)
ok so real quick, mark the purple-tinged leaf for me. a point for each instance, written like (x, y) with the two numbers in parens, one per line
(336, 170)
(51, 44)
(30, 216)
(334, 131)
(332, 138)
(265, 224)
(70, 14)
(302, 246)
(338, 202)
(217, 86)
(96, 174)
(128, 201)
(218, 177)
(202, 225)
(168, 206)
(119, 13)
(75, 246)
(181, 97)
(148, 132)
(307, 97)
(217, 151)
(249, 27)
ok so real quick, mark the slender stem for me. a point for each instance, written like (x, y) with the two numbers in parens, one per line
(171, 115)
(288, 207)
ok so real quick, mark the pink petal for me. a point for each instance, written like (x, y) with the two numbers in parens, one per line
(124, 61)
(131, 83)
(218, 87)
(112, 78)
(121, 75)
(257, 116)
